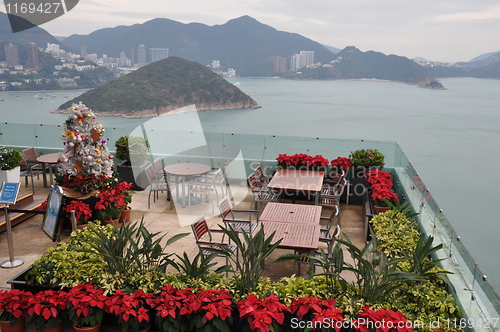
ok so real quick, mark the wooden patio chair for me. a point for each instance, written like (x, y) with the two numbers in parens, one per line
(239, 225)
(31, 167)
(201, 230)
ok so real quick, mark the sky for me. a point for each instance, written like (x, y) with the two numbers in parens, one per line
(444, 30)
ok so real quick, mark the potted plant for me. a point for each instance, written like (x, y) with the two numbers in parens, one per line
(134, 153)
(13, 304)
(339, 166)
(82, 212)
(131, 310)
(365, 160)
(112, 202)
(10, 162)
(86, 307)
(381, 194)
(46, 308)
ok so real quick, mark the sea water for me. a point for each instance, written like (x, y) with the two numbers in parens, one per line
(450, 136)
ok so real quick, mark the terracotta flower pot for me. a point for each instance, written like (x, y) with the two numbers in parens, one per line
(114, 221)
(5, 325)
(96, 328)
(125, 217)
(381, 209)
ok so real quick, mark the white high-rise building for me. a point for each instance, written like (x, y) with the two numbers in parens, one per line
(158, 54)
(141, 55)
(302, 60)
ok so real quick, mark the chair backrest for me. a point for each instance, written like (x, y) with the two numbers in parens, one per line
(150, 172)
(259, 173)
(225, 208)
(334, 215)
(157, 163)
(200, 228)
(218, 176)
(331, 240)
(341, 186)
(252, 180)
(30, 154)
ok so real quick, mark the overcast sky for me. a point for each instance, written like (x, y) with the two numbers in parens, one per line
(443, 30)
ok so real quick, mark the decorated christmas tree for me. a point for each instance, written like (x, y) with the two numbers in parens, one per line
(86, 163)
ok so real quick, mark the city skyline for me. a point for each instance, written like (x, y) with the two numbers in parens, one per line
(447, 31)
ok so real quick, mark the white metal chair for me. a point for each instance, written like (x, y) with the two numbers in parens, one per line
(205, 188)
(156, 185)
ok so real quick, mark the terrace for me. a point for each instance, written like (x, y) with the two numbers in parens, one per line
(477, 299)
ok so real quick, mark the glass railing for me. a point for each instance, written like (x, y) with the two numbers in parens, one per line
(476, 297)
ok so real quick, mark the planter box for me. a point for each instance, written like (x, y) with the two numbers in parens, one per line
(12, 175)
(357, 189)
(19, 282)
(135, 175)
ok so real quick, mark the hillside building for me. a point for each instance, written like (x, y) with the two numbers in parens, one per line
(11, 55)
(141, 54)
(32, 55)
(279, 64)
(158, 54)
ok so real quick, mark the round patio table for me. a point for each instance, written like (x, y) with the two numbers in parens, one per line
(51, 159)
(183, 170)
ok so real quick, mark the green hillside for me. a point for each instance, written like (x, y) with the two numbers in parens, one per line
(163, 86)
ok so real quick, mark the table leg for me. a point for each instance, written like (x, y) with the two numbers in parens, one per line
(316, 198)
(44, 175)
(183, 191)
(51, 179)
(312, 252)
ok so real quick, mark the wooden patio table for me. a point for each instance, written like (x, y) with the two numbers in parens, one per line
(298, 181)
(286, 212)
(296, 236)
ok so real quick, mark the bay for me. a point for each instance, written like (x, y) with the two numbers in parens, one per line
(450, 136)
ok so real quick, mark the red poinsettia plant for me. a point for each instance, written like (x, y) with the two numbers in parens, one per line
(82, 211)
(302, 161)
(380, 193)
(381, 321)
(45, 308)
(13, 305)
(113, 200)
(318, 312)
(376, 176)
(341, 162)
(262, 314)
(131, 309)
(186, 309)
(86, 305)
(83, 183)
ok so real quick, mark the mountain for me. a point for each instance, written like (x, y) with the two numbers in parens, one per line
(163, 86)
(351, 63)
(332, 49)
(243, 43)
(483, 66)
(35, 34)
(484, 56)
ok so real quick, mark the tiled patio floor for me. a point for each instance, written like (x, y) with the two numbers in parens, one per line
(30, 242)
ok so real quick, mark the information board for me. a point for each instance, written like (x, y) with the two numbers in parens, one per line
(9, 192)
(52, 217)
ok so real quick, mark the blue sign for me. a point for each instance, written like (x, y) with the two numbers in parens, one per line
(9, 192)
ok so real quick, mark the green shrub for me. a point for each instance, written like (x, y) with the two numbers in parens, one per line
(10, 158)
(132, 149)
